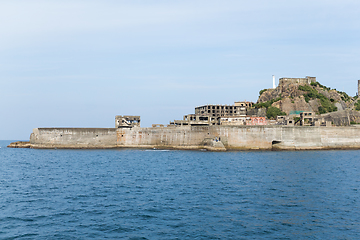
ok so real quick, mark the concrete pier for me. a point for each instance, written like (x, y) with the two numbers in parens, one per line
(216, 138)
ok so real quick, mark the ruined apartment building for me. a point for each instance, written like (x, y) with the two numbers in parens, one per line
(238, 109)
(216, 115)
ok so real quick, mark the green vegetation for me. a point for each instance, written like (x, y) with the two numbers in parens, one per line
(261, 91)
(357, 105)
(322, 86)
(273, 112)
(344, 96)
(267, 104)
(327, 105)
(311, 93)
(306, 88)
(321, 110)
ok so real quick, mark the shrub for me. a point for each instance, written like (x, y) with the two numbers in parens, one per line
(344, 96)
(261, 91)
(357, 105)
(273, 112)
(321, 110)
(326, 104)
(267, 104)
(324, 87)
(305, 88)
(320, 85)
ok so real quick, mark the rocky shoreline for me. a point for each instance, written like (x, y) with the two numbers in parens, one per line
(20, 144)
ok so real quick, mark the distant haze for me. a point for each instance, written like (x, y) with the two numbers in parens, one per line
(80, 63)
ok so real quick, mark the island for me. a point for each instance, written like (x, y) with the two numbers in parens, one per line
(298, 114)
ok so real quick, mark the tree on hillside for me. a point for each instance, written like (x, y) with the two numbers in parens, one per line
(273, 112)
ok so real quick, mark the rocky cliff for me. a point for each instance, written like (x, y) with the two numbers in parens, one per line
(294, 97)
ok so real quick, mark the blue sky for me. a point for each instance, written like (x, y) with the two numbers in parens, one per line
(79, 63)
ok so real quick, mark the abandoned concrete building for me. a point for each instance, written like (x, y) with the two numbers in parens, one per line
(231, 120)
(306, 80)
(194, 119)
(307, 118)
(321, 122)
(257, 121)
(127, 121)
(303, 119)
(238, 109)
(285, 120)
(218, 115)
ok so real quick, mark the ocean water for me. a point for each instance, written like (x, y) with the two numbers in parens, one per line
(138, 194)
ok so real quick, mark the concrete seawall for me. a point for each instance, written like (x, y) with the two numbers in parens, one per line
(217, 138)
(73, 138)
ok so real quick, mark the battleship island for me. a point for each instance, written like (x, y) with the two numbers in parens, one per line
(298, 114)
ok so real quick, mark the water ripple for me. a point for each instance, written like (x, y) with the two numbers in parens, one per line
(134, 194)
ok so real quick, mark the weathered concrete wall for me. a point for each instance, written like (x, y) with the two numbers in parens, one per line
(181, 137)
(243, 137)
(200, 137)
(73, 138)
(248, 137)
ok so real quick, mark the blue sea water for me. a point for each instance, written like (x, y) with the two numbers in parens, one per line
(138, 194)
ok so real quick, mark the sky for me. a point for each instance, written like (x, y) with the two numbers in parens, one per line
(79, 63)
